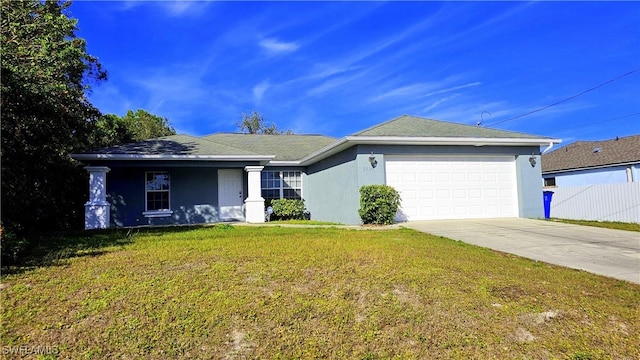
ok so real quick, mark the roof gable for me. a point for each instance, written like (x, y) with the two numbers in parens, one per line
(413, 126)
(284, 147)
(588, 154)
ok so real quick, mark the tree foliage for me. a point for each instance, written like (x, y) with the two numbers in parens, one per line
(46, 73)
(254, 123)
(110, 129)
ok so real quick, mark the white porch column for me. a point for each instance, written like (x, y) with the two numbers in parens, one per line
(97, 209)
(254, 204)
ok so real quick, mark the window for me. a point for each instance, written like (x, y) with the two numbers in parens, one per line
(157, 191)
(550, 182)
(281, 185)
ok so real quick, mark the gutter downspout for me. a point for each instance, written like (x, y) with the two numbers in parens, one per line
(547, 149)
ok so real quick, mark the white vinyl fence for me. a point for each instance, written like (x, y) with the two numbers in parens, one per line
(607, 202)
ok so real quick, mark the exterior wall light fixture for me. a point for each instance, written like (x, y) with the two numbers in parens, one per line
(372, 160)
(532, 160)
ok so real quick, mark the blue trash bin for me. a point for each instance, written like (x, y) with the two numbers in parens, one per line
(547, 195)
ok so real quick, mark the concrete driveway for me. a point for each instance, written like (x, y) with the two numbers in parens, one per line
(613, 253)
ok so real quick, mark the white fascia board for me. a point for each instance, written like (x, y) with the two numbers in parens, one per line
(327, 151)
(173, 157)
(394, 140)
(284, 163)
(349, 141)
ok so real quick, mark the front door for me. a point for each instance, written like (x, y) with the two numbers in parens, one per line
(230, 196)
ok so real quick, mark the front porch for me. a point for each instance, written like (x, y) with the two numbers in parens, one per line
(173, 194)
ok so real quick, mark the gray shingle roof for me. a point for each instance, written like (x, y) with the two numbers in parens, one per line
(413, 126)
(284, 147)
(583, 154)
(298, 147)
(175, 145)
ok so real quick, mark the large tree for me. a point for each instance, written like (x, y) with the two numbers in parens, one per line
(46, 73)
(254, 123)
(136, 126)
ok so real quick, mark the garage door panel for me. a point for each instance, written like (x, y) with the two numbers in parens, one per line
(433, 187)
(475, 194)
(426, 194)
(506, 193)
(489, 177)
(459, 194)
(442, 177)
(459, 177)
(442, 194)
(411, 195)
(427, 211)
(475, 210)
(409, 177)
(460, 210)
(490, 193)
(474, 176)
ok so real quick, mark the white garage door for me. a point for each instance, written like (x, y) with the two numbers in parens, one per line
(445, 187)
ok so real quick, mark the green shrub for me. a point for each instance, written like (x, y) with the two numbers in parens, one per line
(288, 209)
(12, 247)
(378, 204)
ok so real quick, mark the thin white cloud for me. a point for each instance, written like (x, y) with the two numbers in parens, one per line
(275, 46)
(259, 90)
(437, 103)
(109, 98)
(422, 90)
(404, 91)
(454, 88)
(335, 82)
(176, 8)
(469, 112)
(392, 40)
(173, 8)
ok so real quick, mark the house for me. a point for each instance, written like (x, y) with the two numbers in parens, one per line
(593, 163)
(442, 170)
(595, 180)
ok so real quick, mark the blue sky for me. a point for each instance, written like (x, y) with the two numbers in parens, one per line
(335, 68)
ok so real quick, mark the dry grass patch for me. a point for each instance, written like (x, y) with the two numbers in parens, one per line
(269, 292)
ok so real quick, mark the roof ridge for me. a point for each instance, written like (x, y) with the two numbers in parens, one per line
(381, 124)
(236, 133)
(586, 142)
(435, 123)
(227, 145)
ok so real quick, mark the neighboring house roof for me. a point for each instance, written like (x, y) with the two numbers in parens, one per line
(284, 147)
(413, 126)
(593, 154)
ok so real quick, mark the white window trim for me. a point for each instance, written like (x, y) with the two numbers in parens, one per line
(157, 213)
(282, 187)
(555, 183)
(160, 212)
(279, 188)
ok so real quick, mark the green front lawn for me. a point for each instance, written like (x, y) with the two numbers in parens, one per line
(273, 292)
(603, 224)
(302, 222)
